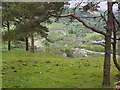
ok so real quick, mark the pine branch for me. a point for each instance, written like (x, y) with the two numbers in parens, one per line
(80, 20)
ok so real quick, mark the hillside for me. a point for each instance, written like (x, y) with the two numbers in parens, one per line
(23, 69)
(72, 37)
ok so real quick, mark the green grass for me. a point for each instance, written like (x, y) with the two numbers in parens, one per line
(45, 70)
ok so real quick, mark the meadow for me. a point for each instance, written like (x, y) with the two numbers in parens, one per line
(21, 69)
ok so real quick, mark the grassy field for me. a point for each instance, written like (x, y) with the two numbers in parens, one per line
(23, 69)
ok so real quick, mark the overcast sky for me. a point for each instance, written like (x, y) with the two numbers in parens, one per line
(103, 5)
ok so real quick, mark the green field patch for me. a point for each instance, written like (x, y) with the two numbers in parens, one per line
(23, 69)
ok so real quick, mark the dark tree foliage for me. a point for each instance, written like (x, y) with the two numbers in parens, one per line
(27, 18)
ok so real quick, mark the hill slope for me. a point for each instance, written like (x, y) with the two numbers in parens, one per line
(23, 69)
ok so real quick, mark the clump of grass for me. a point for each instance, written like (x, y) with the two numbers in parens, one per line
(48, 61)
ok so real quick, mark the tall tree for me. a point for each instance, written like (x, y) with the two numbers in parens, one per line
(107, 34)
(10, 11)
(33, 13)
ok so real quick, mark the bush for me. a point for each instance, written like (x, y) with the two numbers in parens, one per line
(69, 52)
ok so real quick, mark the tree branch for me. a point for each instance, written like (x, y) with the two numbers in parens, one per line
(103, 18)
(91, 17)
(45, 18)
(116, 39)
(98, 22)
(116, 20)
(80, 20)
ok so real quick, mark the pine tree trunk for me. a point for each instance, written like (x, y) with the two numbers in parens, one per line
(9, 42)
(106, 70)
(106, 75)
(27, 44)
(9, 45)
(32, 44)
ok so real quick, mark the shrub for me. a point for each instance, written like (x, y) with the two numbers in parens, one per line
(69, 52)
